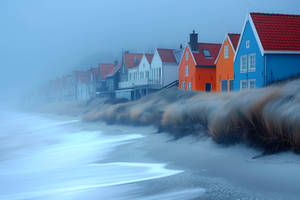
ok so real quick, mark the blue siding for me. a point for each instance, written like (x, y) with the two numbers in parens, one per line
(282, 66)
(253, 49)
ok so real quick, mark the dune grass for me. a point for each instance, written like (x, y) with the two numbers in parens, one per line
(267, 118)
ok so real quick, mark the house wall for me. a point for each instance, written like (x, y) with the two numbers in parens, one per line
(258, 74)
(224, 66)
(156, 66)
(280, 67)
(191, 72)
(143, 68)
(205, 75)
(198, 76)
(170, 73)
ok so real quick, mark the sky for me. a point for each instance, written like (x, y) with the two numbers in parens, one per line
(44, 39)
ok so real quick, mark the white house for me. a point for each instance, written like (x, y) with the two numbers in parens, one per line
(140, 75)
(164, 66)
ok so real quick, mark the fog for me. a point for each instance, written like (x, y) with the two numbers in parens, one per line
(43, 39)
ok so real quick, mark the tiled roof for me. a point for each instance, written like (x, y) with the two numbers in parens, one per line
(234, 38)
(278, 32)
(167, 55)
(149, 57)
(199, 55)
(132, 59)
(105, 70)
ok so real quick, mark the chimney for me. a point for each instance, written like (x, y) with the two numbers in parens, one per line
(116, 63)
(194, 41)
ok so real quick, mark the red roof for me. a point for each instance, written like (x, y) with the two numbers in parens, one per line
(105, 70)
(108, 69)
(234, 38)
(167, 55)
(149, 57)
(206, 61)
(132, 59)
(278, 32)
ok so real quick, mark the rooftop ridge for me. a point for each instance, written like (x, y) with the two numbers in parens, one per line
(275, 14)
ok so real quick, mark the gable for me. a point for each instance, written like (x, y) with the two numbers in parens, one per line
(183, 60)
(231, 45)
(249, 33)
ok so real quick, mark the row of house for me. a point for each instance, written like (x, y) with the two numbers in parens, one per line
(266, 51)
(134, 76)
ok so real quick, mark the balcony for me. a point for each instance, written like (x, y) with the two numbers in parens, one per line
(155, 84)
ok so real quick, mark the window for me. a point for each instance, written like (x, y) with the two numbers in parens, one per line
(243, 84)
(248, 44)
(206, 53)
(189, 86)
(252, 62)
(147, 74)
(230, 85)
(252, 83)
(141, 75)
(186, 55)
(224, 85)
(243, 64)
(183, 85)
(159, 73)
(226, 51)
(130, 76)
(186, 70)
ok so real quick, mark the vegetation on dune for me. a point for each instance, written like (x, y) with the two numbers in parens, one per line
(268, 118)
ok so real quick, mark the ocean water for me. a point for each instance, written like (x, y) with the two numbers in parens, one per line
(46, 158)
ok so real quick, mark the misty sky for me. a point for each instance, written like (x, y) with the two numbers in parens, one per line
(42, 39)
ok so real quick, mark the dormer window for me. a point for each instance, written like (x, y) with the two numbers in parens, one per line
(206, 54)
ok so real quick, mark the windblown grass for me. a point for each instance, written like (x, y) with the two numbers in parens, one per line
(268, 118)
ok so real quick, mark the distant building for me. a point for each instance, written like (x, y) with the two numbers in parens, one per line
(82, 87)
(268, 51)
(197, 69)
(224, 63)
(164, 67)
(109, 80)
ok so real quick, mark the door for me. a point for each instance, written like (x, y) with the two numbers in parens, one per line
(207, 87)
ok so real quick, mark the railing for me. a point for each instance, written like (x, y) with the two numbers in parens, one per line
(145, 82)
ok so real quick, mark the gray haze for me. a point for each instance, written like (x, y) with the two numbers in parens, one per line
(42, 39)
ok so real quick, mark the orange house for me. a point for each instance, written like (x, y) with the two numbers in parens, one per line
(197, 69)
(224, 63)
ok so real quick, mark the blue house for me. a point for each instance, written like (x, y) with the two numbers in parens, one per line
(268, 50)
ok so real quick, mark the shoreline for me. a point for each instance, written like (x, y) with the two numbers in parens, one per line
(211, 171)
(224, 171)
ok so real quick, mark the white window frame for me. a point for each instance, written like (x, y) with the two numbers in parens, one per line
(226, 51)
(249, 83)
(186, 55)
(223, 81)
(252, 66)
(247, 44)
(243, 66)
(189, 86)
(241, 84)
(183, 85)
(187, 70)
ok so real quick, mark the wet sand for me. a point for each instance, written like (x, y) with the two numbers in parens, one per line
(221, 172)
